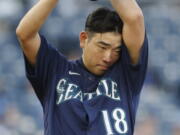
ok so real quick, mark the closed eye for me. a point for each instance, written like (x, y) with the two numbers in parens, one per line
(118, 50)
(102, 47)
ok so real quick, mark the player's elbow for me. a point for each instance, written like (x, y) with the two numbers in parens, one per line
(20, 34)
(135, 17)
(23, 34)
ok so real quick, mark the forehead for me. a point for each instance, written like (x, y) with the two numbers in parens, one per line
(111, 38)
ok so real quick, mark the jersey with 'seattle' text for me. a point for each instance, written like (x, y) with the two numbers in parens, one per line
(76, 102)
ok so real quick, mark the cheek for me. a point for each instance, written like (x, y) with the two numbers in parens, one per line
(94, 52)
(96, 57)
(115, 57)
(92, 55)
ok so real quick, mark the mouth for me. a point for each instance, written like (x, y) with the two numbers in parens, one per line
(103, 67)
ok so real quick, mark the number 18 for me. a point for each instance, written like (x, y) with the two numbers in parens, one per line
(120, 123)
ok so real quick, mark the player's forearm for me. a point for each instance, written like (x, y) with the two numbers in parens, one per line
(128, 10)
(34, 19)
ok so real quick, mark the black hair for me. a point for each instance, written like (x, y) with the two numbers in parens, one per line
(103, 20)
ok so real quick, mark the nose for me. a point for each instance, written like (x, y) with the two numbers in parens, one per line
(107, 57)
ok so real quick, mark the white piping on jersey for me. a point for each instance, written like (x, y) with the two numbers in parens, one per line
(73, 73)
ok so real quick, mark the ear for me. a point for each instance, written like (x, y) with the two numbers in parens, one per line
(83, 38)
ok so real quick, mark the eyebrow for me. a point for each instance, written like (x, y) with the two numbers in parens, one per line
(104, 43)
(107, 44)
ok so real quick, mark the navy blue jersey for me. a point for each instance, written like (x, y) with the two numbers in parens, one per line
(76, 102)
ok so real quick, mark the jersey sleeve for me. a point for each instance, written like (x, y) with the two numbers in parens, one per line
(135, 74)
(49, 61)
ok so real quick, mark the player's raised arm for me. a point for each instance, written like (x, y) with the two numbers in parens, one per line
(133, 28)
(27, 30)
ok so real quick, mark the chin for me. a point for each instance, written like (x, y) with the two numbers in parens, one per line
(99, 73)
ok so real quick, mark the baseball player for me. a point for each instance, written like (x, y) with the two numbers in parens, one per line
(97, 94)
